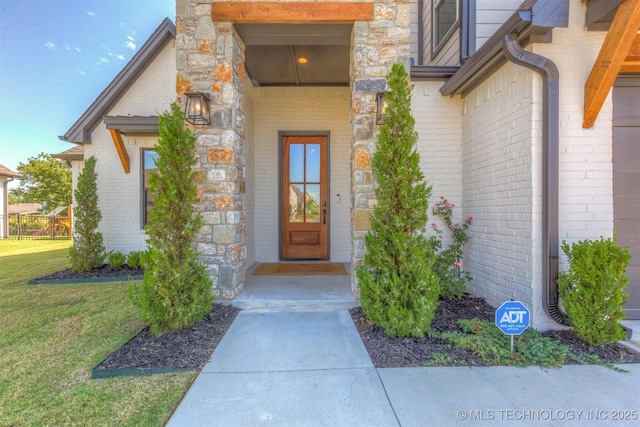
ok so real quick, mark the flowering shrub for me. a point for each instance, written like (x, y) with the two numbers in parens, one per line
(447, 266)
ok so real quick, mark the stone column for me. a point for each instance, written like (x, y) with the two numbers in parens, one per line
(376, 46)
(210, 59)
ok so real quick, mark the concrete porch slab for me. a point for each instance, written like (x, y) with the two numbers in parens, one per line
(296, 292)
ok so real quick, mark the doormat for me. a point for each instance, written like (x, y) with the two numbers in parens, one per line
(304, 269)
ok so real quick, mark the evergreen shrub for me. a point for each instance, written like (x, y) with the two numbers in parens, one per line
(88, 250)
(398, 289)
(134, 259)
(176, 290)
(592, 290)
(116, 259)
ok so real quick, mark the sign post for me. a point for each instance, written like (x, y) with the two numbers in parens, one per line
(512, 318)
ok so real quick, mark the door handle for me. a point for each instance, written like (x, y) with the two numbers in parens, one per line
(324, 216)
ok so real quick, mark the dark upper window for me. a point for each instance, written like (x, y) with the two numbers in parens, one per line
(148, 165)
(445, 17)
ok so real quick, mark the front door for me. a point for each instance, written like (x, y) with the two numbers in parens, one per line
(305, 202)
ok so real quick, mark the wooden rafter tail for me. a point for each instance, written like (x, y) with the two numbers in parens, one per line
(614, 51)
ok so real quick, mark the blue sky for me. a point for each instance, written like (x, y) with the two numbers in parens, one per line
(56, 57)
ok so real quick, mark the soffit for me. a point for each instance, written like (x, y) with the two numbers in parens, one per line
(271, 52)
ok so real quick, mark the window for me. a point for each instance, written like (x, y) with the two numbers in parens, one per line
(148, 165)
(445, 16)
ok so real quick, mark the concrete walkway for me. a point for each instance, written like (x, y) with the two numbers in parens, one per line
(297, 366)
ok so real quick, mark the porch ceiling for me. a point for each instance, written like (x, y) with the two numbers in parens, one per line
(272, 51)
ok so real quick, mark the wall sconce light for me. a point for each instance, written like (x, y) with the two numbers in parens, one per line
(197, 111)
(381, 110)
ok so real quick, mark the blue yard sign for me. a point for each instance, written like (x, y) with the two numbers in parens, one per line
(512, 317)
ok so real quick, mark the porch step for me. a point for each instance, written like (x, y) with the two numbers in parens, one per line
(265, 292)
(294, 305)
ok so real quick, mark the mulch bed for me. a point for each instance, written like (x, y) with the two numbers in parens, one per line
(187, 348)
(390, 352)
(105, 271)
(192, 347)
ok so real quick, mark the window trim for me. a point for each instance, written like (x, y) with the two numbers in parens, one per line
(143, 198)
(435, 46)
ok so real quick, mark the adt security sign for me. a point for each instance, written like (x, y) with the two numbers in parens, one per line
(513, 318)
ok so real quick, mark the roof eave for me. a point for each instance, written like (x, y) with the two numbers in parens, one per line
(533, 22)
(80, 132)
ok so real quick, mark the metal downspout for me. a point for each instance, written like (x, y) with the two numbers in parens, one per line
(550, 166)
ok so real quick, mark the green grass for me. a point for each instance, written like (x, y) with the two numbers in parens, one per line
(51, 336)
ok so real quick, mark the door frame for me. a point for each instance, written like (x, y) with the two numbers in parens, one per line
(281, 135)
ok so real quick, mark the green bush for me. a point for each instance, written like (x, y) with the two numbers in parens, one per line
(134, 259)
(398, 289)
(176, 290)
(592, 290)
(116, 259)
(88, 250)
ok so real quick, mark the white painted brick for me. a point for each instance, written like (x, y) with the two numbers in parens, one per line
(119, 194)
(300, 109)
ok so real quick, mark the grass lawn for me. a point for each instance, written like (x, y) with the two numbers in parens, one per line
(51, 336)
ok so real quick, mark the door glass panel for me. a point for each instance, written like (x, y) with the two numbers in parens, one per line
(312, 205)
(296, 163)
(313, 162)
(296, 202)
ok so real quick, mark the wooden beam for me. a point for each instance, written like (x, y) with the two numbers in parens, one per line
(631, 63)
(291, 12)
(615, 49)
(121, 149)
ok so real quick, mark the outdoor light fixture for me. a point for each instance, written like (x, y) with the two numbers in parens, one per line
(381, 110)
(197, 110)
(302, 59)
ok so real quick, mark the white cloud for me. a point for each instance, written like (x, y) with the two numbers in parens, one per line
(130, 38)
(120, 57)
(77, 49)
(82, 72)
(51, 45)
(131, 45)
(91, 13)
(103, 60)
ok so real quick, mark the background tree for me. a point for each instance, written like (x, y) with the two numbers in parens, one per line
(43, 180)
(176, 290)
(398, 289)
(88, 250)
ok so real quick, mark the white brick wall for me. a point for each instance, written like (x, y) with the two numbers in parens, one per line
(501, 151)
(300, 109)
(119, 195)
(586, 168)
(250, 181)
(439, 125)
(502, 169)
(3, 214)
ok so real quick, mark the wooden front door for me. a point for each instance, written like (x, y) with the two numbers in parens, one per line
(305, 202)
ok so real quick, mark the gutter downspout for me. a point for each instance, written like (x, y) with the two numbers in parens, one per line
(550, 166)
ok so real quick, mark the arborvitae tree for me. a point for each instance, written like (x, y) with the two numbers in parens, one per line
(176, 290)
(398, 289)
(87, 251)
